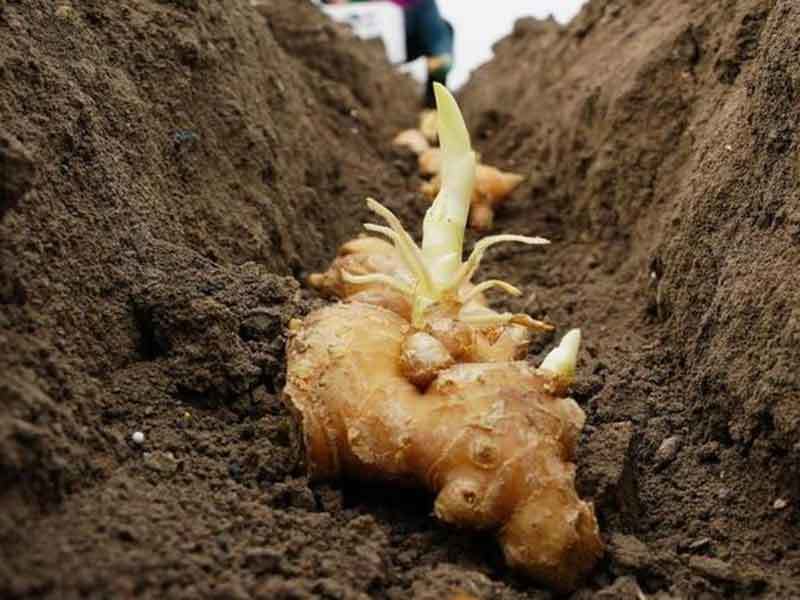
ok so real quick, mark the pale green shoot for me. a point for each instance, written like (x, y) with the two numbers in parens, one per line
(437, 268)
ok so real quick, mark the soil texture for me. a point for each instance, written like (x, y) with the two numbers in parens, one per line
(170, 172)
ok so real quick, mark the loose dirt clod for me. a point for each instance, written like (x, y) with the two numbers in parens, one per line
(17, 172)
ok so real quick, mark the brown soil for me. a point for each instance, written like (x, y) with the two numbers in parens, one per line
(169, 170)
(660, 141)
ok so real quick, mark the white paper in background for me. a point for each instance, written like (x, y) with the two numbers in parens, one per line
(371, 20)
(417, 70)
(479, 25)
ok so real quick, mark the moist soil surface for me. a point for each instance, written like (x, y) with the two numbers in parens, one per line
(171, 171)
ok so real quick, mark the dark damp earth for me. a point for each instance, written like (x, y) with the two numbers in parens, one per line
(170, 172)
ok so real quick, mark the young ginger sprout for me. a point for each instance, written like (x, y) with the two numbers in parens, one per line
(416, 381)
(437, 271)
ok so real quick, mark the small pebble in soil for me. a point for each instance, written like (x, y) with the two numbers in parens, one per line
(138, 438)
(780, 504)
(699, 544)
(708, 452)
(668, 450)
(161, 462)
(184, 135)
(66, 12)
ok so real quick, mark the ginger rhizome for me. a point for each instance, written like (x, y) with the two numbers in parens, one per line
(492, 186)
(415, 380)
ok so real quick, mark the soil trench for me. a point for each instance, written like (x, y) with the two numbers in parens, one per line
(170, 172)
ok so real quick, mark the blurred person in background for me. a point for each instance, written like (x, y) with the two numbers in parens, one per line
(428, 35)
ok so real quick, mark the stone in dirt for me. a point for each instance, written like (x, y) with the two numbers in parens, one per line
(162, 462)
(668, 450)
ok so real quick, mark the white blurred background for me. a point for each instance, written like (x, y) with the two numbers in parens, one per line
(479, 24)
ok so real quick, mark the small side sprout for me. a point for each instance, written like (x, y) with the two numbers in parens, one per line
(415, 380)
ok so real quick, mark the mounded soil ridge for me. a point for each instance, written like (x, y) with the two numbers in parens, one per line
(171, 171)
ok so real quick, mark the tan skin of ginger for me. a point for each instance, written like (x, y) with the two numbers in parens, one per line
(492, 186)
(489, 439)
(414, 380)
(366, 254)
(448, 407)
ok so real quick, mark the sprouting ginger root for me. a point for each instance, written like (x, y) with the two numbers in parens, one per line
(429, 162)
(362, 271)
(416, 381)
(413, 139)
(492, 186)
(419, 140)
(429, 125)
